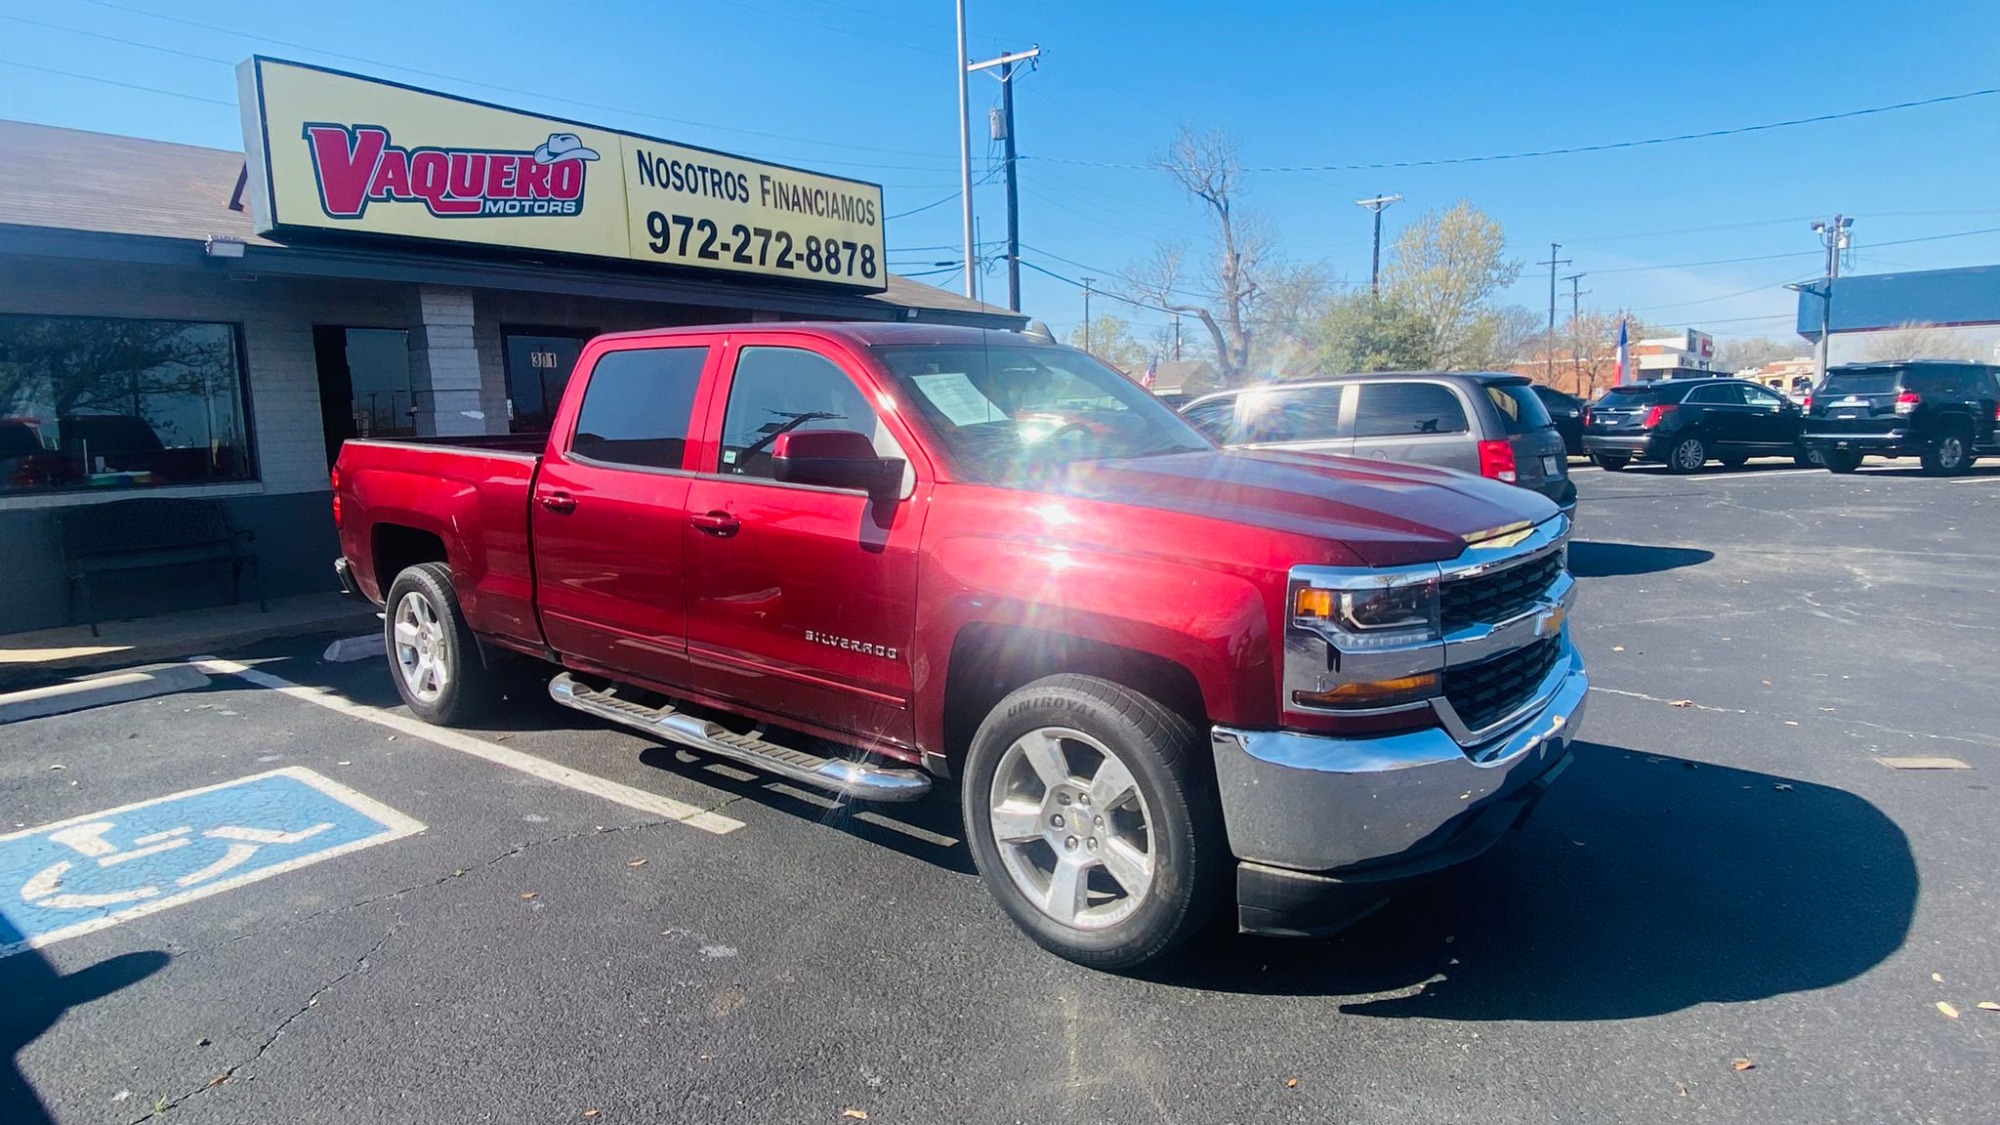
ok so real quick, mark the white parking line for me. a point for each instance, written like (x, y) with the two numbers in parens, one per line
(664, 807)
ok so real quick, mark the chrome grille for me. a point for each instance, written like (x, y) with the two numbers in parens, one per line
(1486, 692)
(1496, 597)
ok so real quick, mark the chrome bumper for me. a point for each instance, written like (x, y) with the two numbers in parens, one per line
(1317, 803)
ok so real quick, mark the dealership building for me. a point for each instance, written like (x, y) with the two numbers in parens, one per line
(381, 261)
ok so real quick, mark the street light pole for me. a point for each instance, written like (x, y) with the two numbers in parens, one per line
(965, 151)
(1375, 263)
(1005, 63)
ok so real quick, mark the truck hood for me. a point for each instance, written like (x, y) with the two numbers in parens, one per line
(1387, 515)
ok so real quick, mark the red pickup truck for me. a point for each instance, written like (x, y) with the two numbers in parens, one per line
(867, 557)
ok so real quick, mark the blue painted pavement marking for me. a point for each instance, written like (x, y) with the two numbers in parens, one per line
(89, 872)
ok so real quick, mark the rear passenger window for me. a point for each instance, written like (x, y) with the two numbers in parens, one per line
(1408, 409)
(637, 406)
(778, 390)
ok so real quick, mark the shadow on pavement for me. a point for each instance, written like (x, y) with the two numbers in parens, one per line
(1643, 885)
(36, 995)
(1617, 560)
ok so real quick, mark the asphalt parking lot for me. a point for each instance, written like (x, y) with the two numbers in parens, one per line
(1730, 910)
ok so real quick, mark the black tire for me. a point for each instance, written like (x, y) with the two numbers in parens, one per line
(1950, 454)
(1808, 458)
(1611, 462)
(1733, 463)
(1187, 851)
(1687, 455)
(1842, 460)
(469, 688)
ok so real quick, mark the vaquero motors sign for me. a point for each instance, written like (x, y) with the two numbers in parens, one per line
(336, 152)
(359, 164)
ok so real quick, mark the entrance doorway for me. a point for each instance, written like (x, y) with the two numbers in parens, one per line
(364, 384)
(539, 362)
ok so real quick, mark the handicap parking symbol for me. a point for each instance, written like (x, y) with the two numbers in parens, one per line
(89, 872)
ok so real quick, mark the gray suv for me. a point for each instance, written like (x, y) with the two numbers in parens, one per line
(1489, 423)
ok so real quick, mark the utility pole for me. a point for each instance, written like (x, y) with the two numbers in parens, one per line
(1005, 131)
(1552, 263)
(965, 151)
(1575, 322)
(1836, 236)
(1086, 312)
(1177, 337)
(1375, 263)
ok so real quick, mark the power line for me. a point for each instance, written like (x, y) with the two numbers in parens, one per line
(115, 82)
(1799, 253)
(513, 90)
(1569, 150)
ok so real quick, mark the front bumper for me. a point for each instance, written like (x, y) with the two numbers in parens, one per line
(1321, 825)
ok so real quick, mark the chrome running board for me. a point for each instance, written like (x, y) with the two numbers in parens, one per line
(864, 781)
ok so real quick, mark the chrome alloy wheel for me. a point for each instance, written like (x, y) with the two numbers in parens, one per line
(1072, 828)
(421, 648)
(1689, 455)
(1951, 453)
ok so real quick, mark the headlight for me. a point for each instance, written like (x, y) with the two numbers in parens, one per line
(1373, 616)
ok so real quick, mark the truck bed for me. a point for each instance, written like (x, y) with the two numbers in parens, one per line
(465, 498)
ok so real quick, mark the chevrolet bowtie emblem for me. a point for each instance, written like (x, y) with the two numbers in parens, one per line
(1551, 622)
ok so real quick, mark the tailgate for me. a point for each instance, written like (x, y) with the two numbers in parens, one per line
(1854, 414)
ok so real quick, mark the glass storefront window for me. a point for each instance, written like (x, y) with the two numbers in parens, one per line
(538, 368)
(96, 402)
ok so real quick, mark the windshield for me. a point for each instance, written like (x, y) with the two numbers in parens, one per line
(1878, 382)
(1521, 410)
(1010, 413)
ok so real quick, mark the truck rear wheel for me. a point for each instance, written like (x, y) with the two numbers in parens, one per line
(432, 652)
(1092, 817)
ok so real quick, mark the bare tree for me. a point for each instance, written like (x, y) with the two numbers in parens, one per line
(1917, 340)
(1224, 299)
(1592, 362)
(1446, 267)
(1735, 355)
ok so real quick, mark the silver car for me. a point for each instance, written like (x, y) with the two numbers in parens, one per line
(1489, 423)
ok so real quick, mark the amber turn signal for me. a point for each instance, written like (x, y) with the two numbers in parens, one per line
(1372, 693)
(1312, 602)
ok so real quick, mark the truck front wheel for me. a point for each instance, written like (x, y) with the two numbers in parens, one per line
(1093, 818)
(432, 652)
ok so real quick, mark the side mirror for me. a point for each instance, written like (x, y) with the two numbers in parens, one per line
(836, 459)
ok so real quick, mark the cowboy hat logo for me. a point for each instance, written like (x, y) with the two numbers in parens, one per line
(563, 146)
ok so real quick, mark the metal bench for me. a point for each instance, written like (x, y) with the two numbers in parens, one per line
(146, 534)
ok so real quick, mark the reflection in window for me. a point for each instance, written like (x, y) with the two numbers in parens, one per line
(638, 405)
(94, 402)
(779, 390)
(1399, 409)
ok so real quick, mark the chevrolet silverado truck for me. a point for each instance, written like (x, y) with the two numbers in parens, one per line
(872, 558)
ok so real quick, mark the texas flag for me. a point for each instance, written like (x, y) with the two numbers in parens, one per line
(1624, 355)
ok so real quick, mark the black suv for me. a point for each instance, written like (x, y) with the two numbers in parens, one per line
(1686, 423)
(1566, 411)
(1941, 412)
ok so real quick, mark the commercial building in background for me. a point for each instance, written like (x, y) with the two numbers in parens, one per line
(382, 261)
(1793, 377)
(1686, 355)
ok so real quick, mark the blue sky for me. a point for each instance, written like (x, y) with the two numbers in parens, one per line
(865, 88)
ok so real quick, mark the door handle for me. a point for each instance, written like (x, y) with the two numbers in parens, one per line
(719, 524)
(561, 503)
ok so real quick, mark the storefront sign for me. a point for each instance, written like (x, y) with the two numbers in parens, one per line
(337, 152)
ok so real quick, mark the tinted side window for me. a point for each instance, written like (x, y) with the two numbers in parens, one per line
(1520, 408)
(1291, 414)
(1761, 398)
(778, 390)
(1725, 394)
(637, 406)
(1406, 409)
(1215, 418)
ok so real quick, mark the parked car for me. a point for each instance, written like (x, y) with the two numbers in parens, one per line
(1166, 676)
(1566, 411)
(1942, 413)
(1487, 423)
(1686, 423)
